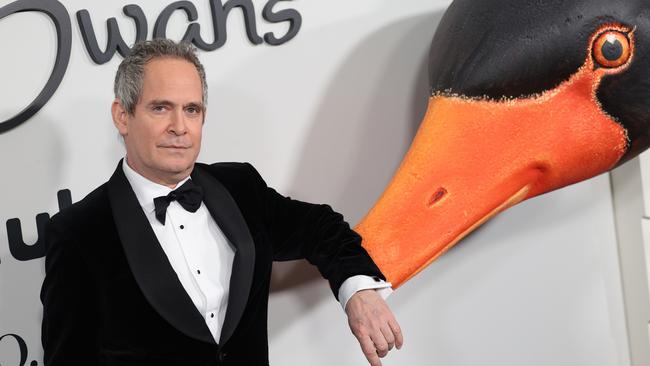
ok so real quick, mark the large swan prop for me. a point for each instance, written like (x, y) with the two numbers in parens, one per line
(526, 97)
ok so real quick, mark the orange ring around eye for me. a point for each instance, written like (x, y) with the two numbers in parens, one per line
(612, 49)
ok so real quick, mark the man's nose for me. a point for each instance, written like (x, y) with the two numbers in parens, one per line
(177, 124)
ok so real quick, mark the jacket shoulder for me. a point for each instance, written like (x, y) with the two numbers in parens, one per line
(83, 214)
(234, 173)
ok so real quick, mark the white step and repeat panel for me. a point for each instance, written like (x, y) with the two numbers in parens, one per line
(325, 116)
(644, 163)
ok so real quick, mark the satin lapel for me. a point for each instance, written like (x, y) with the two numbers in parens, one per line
(226, 213)
(149, 264)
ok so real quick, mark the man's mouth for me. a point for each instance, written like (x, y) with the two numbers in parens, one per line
(179, 147)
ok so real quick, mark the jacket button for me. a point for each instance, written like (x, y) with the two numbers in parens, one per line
(222, 356)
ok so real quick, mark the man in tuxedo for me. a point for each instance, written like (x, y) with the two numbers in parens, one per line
(169, 262)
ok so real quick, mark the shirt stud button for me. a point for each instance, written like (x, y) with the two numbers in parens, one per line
(182, 227)
(211, 315)
(198, 271)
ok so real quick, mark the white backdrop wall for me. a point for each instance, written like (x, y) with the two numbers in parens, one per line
(325, 117)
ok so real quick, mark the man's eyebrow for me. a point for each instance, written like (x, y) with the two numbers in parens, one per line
(197, 105)
(161, 102)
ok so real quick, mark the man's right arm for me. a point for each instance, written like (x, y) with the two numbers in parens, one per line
(69, 327)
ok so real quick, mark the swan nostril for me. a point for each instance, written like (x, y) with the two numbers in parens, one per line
(437, 196)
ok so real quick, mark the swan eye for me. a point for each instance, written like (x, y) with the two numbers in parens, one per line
(612, 49)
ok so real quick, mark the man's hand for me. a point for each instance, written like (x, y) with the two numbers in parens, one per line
(374, 325)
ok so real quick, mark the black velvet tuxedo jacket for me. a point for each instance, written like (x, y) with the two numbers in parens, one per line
(110, 296)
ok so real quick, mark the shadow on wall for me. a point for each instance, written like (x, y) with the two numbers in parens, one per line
(32, 156)
(352, 151)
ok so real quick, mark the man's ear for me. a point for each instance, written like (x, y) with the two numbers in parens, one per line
(120, 117)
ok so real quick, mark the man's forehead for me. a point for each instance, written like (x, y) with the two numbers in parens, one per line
(168, 67)
(169, 78)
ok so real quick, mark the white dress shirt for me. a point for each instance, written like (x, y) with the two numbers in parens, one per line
(193, 242)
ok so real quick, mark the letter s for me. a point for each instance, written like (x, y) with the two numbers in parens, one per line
(291, 15)
(59, 15)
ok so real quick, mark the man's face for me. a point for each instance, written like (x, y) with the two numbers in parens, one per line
(163, 136)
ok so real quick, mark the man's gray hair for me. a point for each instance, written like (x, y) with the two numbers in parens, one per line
(130, 73)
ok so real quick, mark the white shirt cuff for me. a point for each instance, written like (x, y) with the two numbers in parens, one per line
(362, 282)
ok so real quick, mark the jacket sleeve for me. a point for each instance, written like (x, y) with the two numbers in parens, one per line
(316, 233)
(69, 326)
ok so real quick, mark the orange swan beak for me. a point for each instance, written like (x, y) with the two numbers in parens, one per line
(472, 159)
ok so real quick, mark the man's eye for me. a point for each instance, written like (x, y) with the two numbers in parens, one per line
(158, 108)
(194, 111)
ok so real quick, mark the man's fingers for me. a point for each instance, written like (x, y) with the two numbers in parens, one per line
(397, 332)
(380, 342)
(388, 335)
(369, 350)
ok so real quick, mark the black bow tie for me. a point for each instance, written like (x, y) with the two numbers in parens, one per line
(189, 195)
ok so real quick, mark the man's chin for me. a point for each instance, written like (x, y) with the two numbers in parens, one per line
(181, 169)
(178, 169)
